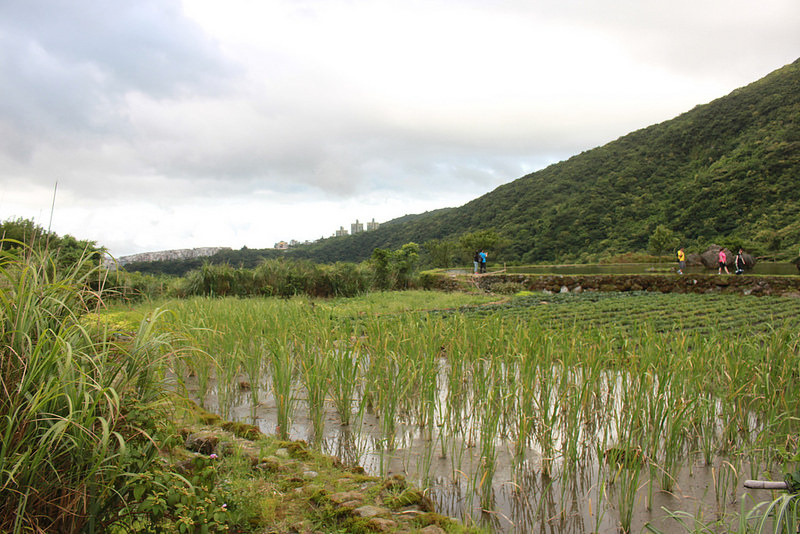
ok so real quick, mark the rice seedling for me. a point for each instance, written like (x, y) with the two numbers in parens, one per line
(489, 422)
(391, 383)
(315, 370)
(345, 366)
(282, 371)
(627, 486)
(547, 410)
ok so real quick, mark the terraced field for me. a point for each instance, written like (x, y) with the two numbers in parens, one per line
(658, 312)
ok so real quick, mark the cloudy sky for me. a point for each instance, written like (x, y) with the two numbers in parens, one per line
(162, 124)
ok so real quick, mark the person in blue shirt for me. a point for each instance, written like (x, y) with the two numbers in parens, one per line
(483, 261)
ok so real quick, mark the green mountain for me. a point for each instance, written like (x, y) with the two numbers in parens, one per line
(725, 172)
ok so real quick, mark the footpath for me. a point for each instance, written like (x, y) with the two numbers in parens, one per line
(787, 286)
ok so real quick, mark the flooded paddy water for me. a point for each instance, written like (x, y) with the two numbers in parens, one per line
(582, 496)
(549, 413)
(580, 499)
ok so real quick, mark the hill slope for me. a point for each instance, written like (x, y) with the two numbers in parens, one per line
(727, 171)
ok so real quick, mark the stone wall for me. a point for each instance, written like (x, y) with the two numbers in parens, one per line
(504, 283)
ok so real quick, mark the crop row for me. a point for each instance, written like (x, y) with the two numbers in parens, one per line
(658, 311)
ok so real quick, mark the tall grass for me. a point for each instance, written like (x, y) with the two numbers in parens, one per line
(74, 397)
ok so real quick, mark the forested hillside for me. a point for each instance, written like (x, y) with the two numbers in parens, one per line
(726, 172)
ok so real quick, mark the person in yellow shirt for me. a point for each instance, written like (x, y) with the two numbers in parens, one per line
(681, 260)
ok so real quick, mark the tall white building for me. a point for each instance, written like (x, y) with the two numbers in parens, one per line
(356, 227)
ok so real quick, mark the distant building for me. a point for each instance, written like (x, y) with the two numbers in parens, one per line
(281, 245)
(356, 227)
(372, 225)
(341, 231)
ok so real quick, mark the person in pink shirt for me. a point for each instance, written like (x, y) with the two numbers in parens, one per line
(723, 262)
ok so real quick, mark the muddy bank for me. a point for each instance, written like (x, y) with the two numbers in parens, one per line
(672, 283)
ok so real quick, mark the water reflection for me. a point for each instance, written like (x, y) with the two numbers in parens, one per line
(578, 494)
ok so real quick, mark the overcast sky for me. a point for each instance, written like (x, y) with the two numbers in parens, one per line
(164, 124)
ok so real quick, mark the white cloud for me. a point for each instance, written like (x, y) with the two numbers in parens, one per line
(170, 124)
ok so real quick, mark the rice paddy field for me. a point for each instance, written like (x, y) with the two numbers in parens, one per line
(538, 413)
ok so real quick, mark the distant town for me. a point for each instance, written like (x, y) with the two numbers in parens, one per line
(355, 228)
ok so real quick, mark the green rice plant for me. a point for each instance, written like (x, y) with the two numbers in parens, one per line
(672, 443)
(282, 372)
(79, 398)
(691, 524)
(525, 405)
(391, 383)
(228, 389)
(571, 394)
(705, 426)
(422, 367)
(546, 404)
(489, 421)
(345, 366)
(627, 482)
(725, 479)
(315, 370)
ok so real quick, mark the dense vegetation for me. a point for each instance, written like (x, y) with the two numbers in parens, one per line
(65, 251)
(726, 172)
(279, 277)
(79, 409)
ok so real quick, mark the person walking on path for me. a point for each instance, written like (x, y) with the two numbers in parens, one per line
(483, 261)
(681, 260)
(723, 262)
(476, 261)
(739, 262)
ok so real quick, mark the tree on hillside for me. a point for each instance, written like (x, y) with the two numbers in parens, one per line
(22, 230)
(441, 252)
(67, 250)
(380, 267)
(488, 240)
(395, 269)
(662, 239)
(405, 263)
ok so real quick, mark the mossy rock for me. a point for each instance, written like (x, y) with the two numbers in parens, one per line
(410, 497)
(243, 430)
